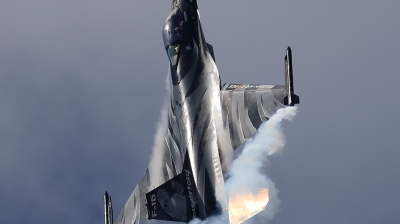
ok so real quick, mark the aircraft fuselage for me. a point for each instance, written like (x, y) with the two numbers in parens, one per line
(195, 100)
(206, 122)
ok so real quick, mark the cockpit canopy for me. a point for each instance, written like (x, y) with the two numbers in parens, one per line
(173, 34)
(173, 28)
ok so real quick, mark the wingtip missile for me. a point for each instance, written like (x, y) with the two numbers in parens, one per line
(291, 99)
(108, 211)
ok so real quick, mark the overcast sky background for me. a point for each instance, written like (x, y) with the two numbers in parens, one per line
(82, 83)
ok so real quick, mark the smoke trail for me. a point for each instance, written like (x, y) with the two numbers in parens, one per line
(157, 158)
(246, 171)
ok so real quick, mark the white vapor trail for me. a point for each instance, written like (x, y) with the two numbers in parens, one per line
(157, 158)
(246, 171)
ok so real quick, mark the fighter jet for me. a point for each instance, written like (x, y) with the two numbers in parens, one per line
(206, 122)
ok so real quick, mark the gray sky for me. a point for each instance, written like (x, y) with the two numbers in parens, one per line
(82, 83)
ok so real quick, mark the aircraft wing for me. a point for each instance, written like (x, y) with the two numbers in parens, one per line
(134, 211)
(164, 174)
(246, 107)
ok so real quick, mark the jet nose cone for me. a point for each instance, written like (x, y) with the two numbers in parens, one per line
(182, 3)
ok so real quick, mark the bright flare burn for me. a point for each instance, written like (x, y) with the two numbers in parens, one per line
(245, 205)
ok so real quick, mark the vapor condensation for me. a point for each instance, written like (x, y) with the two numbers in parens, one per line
(157, 157)
(246, 171)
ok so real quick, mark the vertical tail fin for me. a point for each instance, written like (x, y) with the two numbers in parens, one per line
(108, 211)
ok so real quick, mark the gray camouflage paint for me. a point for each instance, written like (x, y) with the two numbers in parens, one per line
(204, 120)
(74, 122)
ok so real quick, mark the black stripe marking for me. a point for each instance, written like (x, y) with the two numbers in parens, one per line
(203, 142)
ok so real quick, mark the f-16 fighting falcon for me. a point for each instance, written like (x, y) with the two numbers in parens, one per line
(206, 122)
